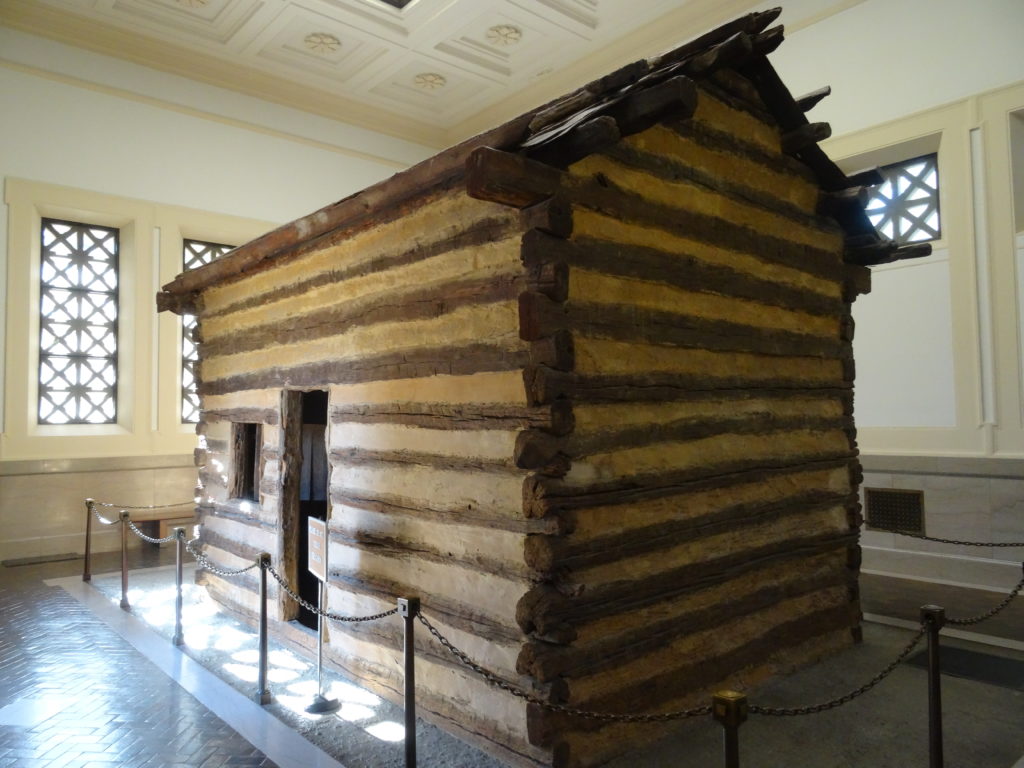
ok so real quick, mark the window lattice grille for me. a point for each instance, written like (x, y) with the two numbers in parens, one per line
(78, 314)
(905, 207)
(195, 253)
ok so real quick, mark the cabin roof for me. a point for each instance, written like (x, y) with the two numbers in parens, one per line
(626, 101)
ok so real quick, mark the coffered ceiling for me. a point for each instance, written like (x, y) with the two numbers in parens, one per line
(433, 71)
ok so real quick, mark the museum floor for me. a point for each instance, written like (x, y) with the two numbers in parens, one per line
(80, 686)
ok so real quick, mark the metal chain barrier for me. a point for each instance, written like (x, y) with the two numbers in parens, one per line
(190, 502)
(504, 685)
(846, 698)
(144, 537)
(213, 567)
(989, 614)
(103, 520)
(961, 543)
(320, 612)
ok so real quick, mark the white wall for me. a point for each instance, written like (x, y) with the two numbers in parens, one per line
(888, 58)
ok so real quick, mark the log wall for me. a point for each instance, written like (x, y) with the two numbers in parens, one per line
(707, 494)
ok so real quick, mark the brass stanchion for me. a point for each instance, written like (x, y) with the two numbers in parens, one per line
(730, 709)
(934, 618)
(263, 694)
(408, 609)
(87, 568)
(124, 560)
(179, 556)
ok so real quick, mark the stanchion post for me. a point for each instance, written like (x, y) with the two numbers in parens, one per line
(321, 704)
(179, 556)
(730, 709)
(934, 618)
(125, 517)
(408, 609)
(263, 694)
(87, 568)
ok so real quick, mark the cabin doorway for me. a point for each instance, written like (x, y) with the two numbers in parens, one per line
(305, 488)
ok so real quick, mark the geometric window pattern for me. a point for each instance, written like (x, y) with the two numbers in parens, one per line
(78, 323)
(905, 207)
(195, 253)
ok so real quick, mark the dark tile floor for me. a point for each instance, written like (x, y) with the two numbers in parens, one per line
(83, 697)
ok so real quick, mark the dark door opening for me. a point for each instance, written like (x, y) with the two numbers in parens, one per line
(313, 483)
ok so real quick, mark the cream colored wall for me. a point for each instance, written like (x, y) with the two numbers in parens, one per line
(92, 138)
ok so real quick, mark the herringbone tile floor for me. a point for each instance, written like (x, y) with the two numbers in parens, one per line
(84, 698)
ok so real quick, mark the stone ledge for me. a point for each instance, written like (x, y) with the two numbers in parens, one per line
(99, 464)
(976, 466)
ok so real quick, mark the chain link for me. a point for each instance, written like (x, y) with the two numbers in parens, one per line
(326, 614)
(504, 685)
(846, 698)
(103, 520)
(213, 567)
(190, 502)
(150, 539)
(961, 543)
(988, 615)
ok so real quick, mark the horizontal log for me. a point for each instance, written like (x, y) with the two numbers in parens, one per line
(556, 418)
(543, 496)
(544, 605)
(509, 179)
(489, 229)
(673, 268)
(832, 203)
(585, 139)
(556, 351)
(809, 101)
(609, 199)
(552, 280)
(886, 252)
(870, 177)
(359, 457)
(769, 40)
(544, 384)
(547, 662)
(799, 138)
(242, 415)
(630, 323)
(413, 363)
(551, 553)
(856, 282)
(575, 102)
(178, 303)
(751, 24)
(417, 304)
(697, 428)
(539, 316)
(672, 170)
(644, 107)
(405, 506)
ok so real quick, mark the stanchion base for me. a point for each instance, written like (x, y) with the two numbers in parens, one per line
(263, 698)
(178, 640)
(322, 706)
(125, 605)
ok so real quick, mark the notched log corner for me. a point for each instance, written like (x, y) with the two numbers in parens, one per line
(178, 303)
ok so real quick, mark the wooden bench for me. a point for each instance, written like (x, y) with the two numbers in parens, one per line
(155, 523)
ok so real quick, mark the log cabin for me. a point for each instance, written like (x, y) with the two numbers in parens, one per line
(582, 383)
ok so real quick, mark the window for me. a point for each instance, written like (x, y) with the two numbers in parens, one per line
(78, 320)
(246, 442)
(195, 253)
(905, 207)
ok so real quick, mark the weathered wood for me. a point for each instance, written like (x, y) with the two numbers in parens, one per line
(552, 216)
(767, 41)
(509, 179)
(536, 449)
(835, 202)
(589, 137)
(642, 108)
(751, 24)
(556, 418)
(179, 304)
(809, 101)
(729, 53)
(569, 105)
(544, 384)
(886, 252)
(556, 351)
(870, 177)
(539, 316)
(798, 139)
(250, 415)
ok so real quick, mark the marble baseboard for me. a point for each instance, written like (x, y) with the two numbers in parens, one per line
(958, 570)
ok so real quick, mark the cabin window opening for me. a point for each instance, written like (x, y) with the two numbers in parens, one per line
(246, 440)
(78, 323)
(194, 254)
(905, 206)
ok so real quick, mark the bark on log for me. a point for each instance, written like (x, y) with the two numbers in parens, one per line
(509, 179)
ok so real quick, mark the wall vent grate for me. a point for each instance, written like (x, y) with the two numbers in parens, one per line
(888, 509)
